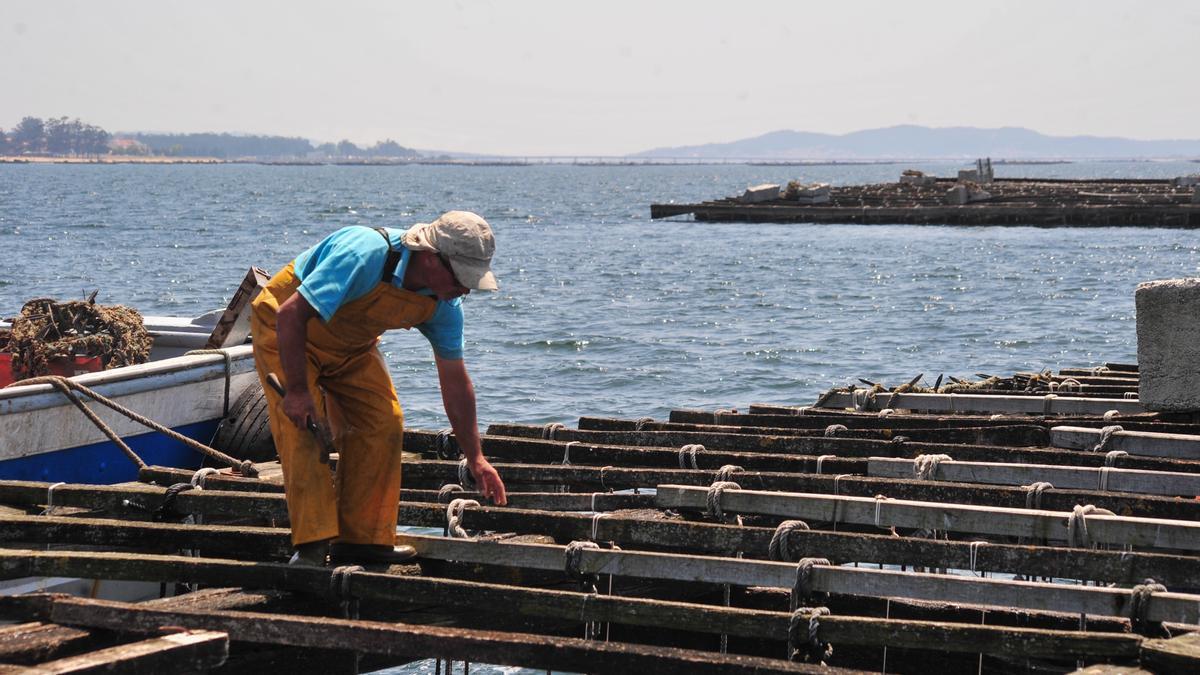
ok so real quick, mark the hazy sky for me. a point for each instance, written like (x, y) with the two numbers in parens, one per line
(601, 78)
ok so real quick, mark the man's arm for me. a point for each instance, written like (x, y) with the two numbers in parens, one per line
(291, 326)
(458, 398)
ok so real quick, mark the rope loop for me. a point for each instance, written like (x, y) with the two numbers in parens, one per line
(1139, 602)
(832, 430)
(1048, 403)
(464, 474)
(780, 546)
(1106, 435)
(228, 372)
(886, 412)
(821, 460)
(50, 507)
(1077, 532)
(802, 589)
(818, 652)
(900, 440)
(863, 399)
(879, 500)
(1110, 415)
(1070, 384)
(573, 557)
(566, 460)
(339, 581)
(199, 478)
(925, 466)
(166, 509)
(549, 429)
(641, 423)
(725, 473)
(447, 448)
(713, 499)
(443, 495)
(1033, 494)
(1111, 457)
(454, 513)
(687, 456)
(974, 552)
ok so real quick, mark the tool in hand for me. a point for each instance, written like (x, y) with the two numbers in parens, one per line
(319, 432)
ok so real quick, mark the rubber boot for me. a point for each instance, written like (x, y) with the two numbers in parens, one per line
(311, 554)
(364, 554)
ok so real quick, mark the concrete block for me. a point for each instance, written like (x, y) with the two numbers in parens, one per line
(918, 180)
(957, 195)
(760, 193)
(968, 174)
(1187, 181)
(1168, 344)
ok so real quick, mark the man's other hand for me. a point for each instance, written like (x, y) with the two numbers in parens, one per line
(300, 408)
(488, 481)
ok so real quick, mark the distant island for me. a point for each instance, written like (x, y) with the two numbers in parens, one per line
(908, 142)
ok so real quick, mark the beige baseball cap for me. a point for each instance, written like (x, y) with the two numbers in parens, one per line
(465, 240)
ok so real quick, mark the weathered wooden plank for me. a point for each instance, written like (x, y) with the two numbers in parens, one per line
(1175, 607)
(1181, 446)
(1077, 478)
(35, 642)
(186, 651)
(144, 499)
(1036, 405)
(885, 513)
(607, 478)
(512, 649)
(1176, 655)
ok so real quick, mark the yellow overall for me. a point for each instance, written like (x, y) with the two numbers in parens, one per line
(349, 381)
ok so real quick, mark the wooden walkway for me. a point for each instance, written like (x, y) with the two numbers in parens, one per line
(1016, 524)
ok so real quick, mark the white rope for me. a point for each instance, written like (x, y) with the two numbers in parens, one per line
(1106, 435)
(886, 411)
(1110, 415)
(687, 456)
(201, 476)
(1111, 457)
(1130, 395)
(596, 523)
(566, 460)
(1070, 384)
(925, 466)
(1103, 486)
(454, 513)
(1077, 531)
(821, 460)
(974, 549)
(594, 501)
(832, 430)
(879, 500)
(50, 499)
(1048, 403)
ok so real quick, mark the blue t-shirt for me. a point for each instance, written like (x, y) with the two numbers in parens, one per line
(347, 264)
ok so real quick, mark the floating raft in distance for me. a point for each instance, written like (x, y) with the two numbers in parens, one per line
(1001, 525)
(1013, 201)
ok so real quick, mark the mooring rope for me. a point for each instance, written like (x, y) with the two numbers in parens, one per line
(641, 423)
(228, 372)
(444, 492)
(201, 476)
(925, 466)
(1098, 370)
(1110, 415)
(1106, 435)
(974, 552)
(573, 557)
(549, 429)
(446, 447)
(818, 651)
(713, 498)
(832, 430)
(1069, 384)
(886, 412)
(863, 399)
(879, 500)
(68, 388)
(1139, 602)
(687, 456)
(602, 470)
(339, 587)
(1077, 531)
(821, 460)
(780, 546)
(725, 473)
(1048, 403)
(464, 474)
(1111, 457)
(802, 589)
(454, 514)
(1130, 395)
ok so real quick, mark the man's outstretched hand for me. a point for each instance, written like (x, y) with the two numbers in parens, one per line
(488, 481)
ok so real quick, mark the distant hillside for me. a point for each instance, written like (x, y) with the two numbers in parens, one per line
(916, 142)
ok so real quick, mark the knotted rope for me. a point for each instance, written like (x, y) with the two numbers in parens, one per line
(713, 498)
(818, 651)
(201, 475)
(1110, 415)
(886, 412)
(1077, 531)
(1069, 384)
(1106, 435)
(821, 460)
(339, 587)
(725, 473)
(464, 474)
(925, 466)
(573, 557)
(454, 514)
(802, 589)
(1139, 603)
(832, 430)
(549, 429)
(443, 495)
(68, 388)
(863, 399)
(446, 447)
(687, 455)
(1033, 494)
(780, 546)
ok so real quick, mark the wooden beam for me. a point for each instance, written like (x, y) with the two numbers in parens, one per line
(1076, 478)
(186, 651)
(1176, 655)
(1182, 446)
(983, 403)
(409, 640)
(28, 643)
(1173, 607)
(885, 513)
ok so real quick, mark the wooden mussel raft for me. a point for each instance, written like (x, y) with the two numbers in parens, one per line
(1003, 524)
(1043, 202)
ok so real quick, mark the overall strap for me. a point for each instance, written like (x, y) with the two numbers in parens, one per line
(393, 258)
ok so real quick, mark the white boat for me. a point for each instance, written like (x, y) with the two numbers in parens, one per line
(43, 437)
